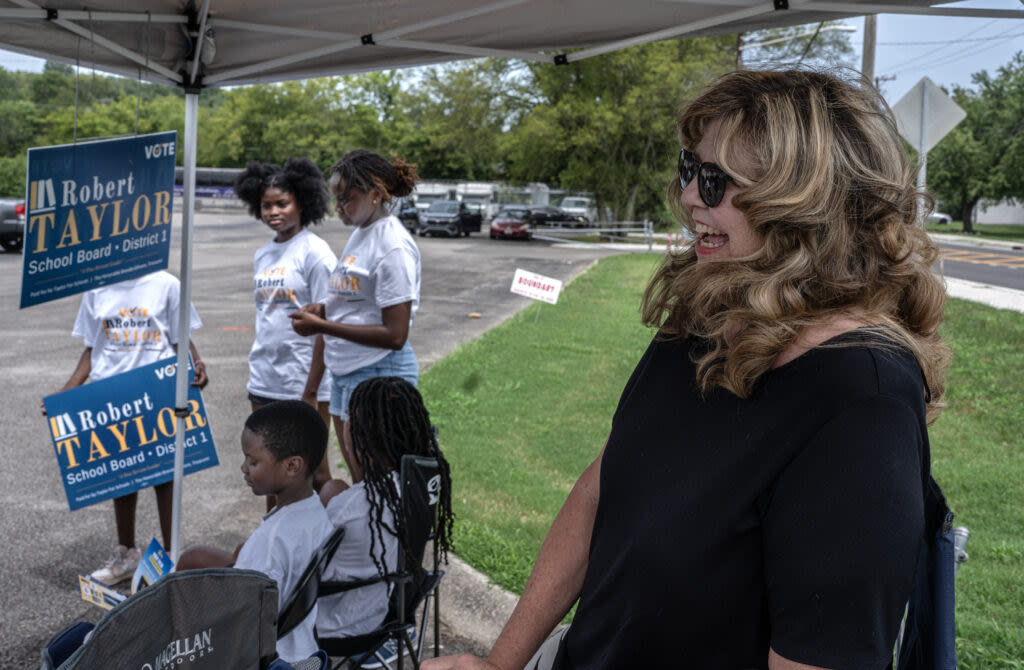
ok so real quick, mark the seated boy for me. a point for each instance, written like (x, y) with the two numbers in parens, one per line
(282, 442)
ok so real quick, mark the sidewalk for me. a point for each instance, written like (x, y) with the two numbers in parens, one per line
(999, 297)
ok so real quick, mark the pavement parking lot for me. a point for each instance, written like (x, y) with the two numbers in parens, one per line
(45, 546)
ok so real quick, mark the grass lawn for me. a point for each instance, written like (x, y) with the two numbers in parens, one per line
(525, 408)
(984, 231)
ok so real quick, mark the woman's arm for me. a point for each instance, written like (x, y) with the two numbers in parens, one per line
(316, 372)
(392, 333)
(553, 586)
(776, 662)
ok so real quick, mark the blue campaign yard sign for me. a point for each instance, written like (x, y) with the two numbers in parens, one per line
(96, 213)
(117, 435)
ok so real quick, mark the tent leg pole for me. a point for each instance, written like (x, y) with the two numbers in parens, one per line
(183, 377)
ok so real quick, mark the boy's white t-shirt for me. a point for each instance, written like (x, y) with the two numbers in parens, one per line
(360, 610)
(380, 267)
(287, 276)
(281, 548)
(131, 323)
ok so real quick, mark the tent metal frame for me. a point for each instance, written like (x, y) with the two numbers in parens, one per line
(191, 80)
(71, 20)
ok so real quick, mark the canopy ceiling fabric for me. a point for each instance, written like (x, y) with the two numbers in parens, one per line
(264, 41)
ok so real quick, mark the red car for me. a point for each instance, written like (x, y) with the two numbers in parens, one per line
(513, 223)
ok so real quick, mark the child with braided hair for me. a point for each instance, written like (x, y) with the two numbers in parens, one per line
(387, 421)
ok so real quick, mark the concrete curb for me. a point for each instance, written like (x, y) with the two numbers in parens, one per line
(970, 241)
(471, 606)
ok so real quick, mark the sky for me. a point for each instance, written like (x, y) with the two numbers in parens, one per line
(948, 50)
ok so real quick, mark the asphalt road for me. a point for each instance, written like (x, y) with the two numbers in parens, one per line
(45, 546)
(1003, 266)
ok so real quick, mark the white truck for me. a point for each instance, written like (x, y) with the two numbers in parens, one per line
(580, 206)
(481, 197)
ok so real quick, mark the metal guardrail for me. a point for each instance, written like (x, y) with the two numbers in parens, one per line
(617, 233)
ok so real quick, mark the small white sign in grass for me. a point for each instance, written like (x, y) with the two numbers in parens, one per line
(536, 286)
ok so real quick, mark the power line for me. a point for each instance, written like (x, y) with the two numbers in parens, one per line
(996, 40)
(929, 53)
(953, 57)
(942, 42)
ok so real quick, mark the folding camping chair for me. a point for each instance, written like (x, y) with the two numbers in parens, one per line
(412, 585)
(300, 603)
(927, 634)
(212, 619)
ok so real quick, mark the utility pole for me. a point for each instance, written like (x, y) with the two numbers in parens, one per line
(739, 51)
(867, 63)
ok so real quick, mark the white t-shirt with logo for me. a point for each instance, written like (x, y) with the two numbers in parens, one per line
(131, 323)
(360, 610)
(287, 276)
(380, 267)
(281, 548)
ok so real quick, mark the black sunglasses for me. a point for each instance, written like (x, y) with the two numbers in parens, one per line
(711, 179)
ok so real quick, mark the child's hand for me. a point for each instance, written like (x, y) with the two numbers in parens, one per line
(201, 379)
(306, 320)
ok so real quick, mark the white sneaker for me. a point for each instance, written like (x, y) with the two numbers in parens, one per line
(118, 567)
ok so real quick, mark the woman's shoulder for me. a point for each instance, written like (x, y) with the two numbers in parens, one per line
(391, 235)
(309, 244)
(861, 362)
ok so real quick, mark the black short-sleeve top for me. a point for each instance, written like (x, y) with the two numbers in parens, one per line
(789, 519)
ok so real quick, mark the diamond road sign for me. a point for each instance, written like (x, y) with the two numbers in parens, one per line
(929, 103)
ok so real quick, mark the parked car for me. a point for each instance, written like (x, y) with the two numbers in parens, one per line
(406, 211)
(511, 222)
(939, 218)
(12, 224)
(476, 207)
(582, 208)
(449, 217)
(548, 215)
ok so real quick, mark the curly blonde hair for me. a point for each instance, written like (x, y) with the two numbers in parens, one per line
(833, 199)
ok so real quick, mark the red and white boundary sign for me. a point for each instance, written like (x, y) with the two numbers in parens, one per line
(536, 286)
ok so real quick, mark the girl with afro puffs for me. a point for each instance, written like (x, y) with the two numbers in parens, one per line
(290, 270)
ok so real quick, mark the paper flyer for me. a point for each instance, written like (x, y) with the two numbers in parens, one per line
(155, 563)
(99, 593)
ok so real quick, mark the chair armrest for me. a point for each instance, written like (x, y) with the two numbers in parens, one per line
(331, 588)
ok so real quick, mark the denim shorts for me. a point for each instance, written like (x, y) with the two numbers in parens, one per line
(401, 363)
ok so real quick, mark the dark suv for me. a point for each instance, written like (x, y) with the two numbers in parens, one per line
(451, 218)
(12, 224)
(405, 210)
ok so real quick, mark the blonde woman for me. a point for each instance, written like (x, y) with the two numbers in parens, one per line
(774, 520)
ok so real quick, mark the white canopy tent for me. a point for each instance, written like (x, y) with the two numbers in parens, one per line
(254, 41)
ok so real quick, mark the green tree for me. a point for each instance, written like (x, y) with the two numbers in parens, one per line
(12, 176)
(451, 118)
(17, 126)
(273, 122)
(815, 44)
(983, 157)
(607, 124)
